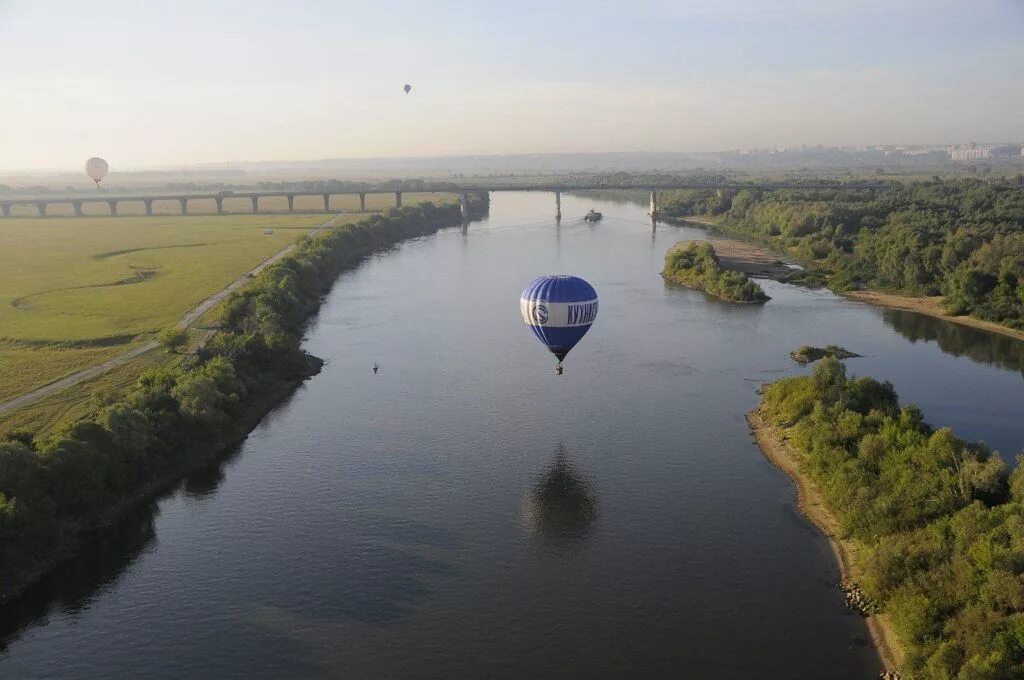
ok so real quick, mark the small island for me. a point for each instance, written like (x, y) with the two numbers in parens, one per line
(808, 355)
(695, 264)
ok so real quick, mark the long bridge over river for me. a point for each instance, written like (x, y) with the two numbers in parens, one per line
(77, 201)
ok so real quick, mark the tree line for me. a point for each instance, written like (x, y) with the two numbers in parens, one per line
(55, 487)
(963, 239)
(940, 520)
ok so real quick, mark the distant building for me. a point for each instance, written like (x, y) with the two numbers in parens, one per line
(1007, 151)
(970, 152)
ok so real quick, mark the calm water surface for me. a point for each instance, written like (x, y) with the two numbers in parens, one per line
(467, 513)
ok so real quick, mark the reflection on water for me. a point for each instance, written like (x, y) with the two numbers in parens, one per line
(71, 588)
(561, 506)
(958, 340)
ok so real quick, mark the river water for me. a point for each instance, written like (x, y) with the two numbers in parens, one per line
(467, 513)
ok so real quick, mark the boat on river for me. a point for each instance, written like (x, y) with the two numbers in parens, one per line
(593, 216)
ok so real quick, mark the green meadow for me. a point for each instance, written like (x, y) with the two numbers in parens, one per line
(75, 292)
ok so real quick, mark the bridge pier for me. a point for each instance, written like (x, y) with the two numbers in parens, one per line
(654, 206)
(327, 203)
(255, 203)
(184, 205)
(113, 208)
(220, 204)
(77, 205)
(362, 201)
(291, 202)
(42, 209)
(398, 199)
(5, 209)
(148, 202)
(558, 205)
(464, 207)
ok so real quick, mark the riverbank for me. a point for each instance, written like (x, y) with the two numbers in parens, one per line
(756, 260)
(60, 490)
(931, 306)
(779, 452)
(77, 536)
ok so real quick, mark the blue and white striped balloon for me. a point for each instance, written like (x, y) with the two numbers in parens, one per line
(559, 310)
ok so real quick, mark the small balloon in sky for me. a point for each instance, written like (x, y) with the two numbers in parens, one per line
(407, 88)
(96, 168)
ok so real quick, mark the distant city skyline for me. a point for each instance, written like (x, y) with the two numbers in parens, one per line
(177, 84)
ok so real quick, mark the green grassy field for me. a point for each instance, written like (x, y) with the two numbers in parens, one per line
(76, 402)
(74, 292)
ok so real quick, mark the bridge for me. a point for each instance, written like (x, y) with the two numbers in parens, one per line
(42, 203)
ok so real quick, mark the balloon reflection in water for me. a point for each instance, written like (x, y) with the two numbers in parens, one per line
(560, 507)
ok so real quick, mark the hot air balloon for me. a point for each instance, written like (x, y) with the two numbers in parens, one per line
(559, 310)
(407, 88)
(96, 168)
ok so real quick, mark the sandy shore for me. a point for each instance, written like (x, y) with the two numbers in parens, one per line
(780, 453)
(746, 257)
(752, 260)
(932, 306)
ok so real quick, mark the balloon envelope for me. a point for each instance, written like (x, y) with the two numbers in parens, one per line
(559, 310)
(407, 88)
(96, 168)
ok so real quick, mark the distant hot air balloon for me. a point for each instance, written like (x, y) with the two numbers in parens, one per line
(407, 88)
(559, 310)
(96, 168)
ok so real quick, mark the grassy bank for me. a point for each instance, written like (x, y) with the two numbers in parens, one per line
(695, 265)
(930, 526)
(77, 292)
(55, 490)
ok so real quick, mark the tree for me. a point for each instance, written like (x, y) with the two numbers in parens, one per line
(173, 338)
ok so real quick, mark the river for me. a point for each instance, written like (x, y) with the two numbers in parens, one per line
(467, 513)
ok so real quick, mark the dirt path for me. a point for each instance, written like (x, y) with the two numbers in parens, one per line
(780, 453)
(186, 321)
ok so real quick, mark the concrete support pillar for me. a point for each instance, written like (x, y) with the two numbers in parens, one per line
(113, 207)
(220, 204)
(255, 203)
(398, 199)
(184, 205)
(148, 202)
(5, 209)
(464, 205)
(327, 203)
(362, 202)
(42, 209)
(719, 193)
(77, 205)
(291, 202)
(654, 206)
(558, 205)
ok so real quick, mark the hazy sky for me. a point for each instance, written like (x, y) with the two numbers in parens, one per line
(169, 83)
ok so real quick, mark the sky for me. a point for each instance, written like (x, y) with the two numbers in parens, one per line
(171, 83)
